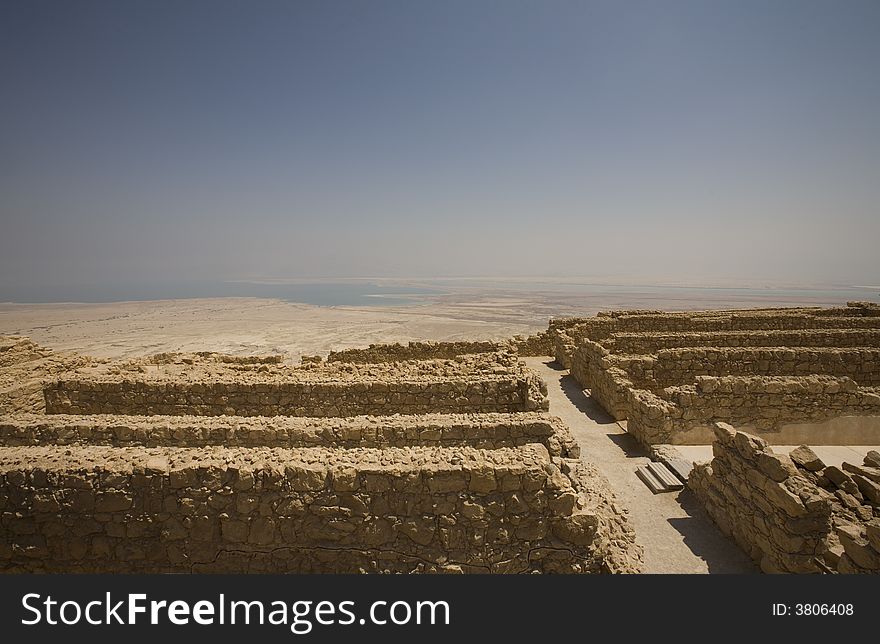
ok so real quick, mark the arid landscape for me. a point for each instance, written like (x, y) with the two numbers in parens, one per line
(433, 319)
(255, 435)
(458, 310)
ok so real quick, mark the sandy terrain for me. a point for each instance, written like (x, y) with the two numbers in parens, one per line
(247, 325)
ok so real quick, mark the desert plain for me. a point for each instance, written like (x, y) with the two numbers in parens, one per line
(460, 310)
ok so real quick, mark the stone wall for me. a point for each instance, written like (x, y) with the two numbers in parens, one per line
(503, 393)
(740, 321)
(415, 351)
(103, 509)
(858, 307)
(792, 513)
(256, 465)
(567, 339)
(648, 377)
(484, 431)
(596, 369)
(670, 367)
(178, 357)
(782, 409)
(537, 344)
(757, 498)
(312, 369)
(648, 343)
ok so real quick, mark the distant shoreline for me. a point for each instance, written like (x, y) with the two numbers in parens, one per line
(390, 292)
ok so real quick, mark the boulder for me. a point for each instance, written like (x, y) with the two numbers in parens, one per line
(806, 458)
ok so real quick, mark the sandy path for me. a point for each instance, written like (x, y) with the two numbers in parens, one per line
(674, 531)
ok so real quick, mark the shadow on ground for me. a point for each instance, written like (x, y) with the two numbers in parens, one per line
(588, 406)
(628, 445)
(572, 390)
(709, 544)
(552, 364)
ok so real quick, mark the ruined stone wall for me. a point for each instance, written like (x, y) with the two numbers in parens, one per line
(613, 389)
(24, 365)
(333, 398)
(616, 313)
(491, 382)
(670, 367)
(217, 509)
(648, 343)
(596, 369)
(674, 366)
(415, 351)
(177, 357)
(766, 400)
(770, 405)
(792, 514)
(860, 307)
(563, 348)
(566, 340)
(647, 377)
(600, 328)
(295, 481)
(741, 321)
(757, 498)
(537, 344)
(853, 308)
(484, 431)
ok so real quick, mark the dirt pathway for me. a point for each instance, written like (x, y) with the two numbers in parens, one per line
(676, 534)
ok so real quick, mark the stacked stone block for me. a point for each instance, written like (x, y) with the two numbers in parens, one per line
(791, 513)
(196, 463)
(483, 431)
(398, 352)
(307, 510)
(764, 404)
(667, 374)
(568, 336)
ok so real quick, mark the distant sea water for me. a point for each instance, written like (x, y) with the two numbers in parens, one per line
(322, 293)
(387, 292)
(568, 287)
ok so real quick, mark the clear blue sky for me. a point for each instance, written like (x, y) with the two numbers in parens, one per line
(160, 141)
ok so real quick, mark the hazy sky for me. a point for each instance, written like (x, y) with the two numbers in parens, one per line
(159, 141)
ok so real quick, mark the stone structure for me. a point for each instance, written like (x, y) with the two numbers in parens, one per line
(538, 344)
(494, 383)
(792, 513)
(416, 351)
(317, 399)
(483, 431)
(306, 510)
(208, 463)
(568, 336)
(672, 375)
(831, 411)
(653, 342)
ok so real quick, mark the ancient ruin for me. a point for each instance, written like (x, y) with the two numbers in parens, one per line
(788, 375)
(785, 376)
(792, 513)
(443, 456)
(385, 460)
